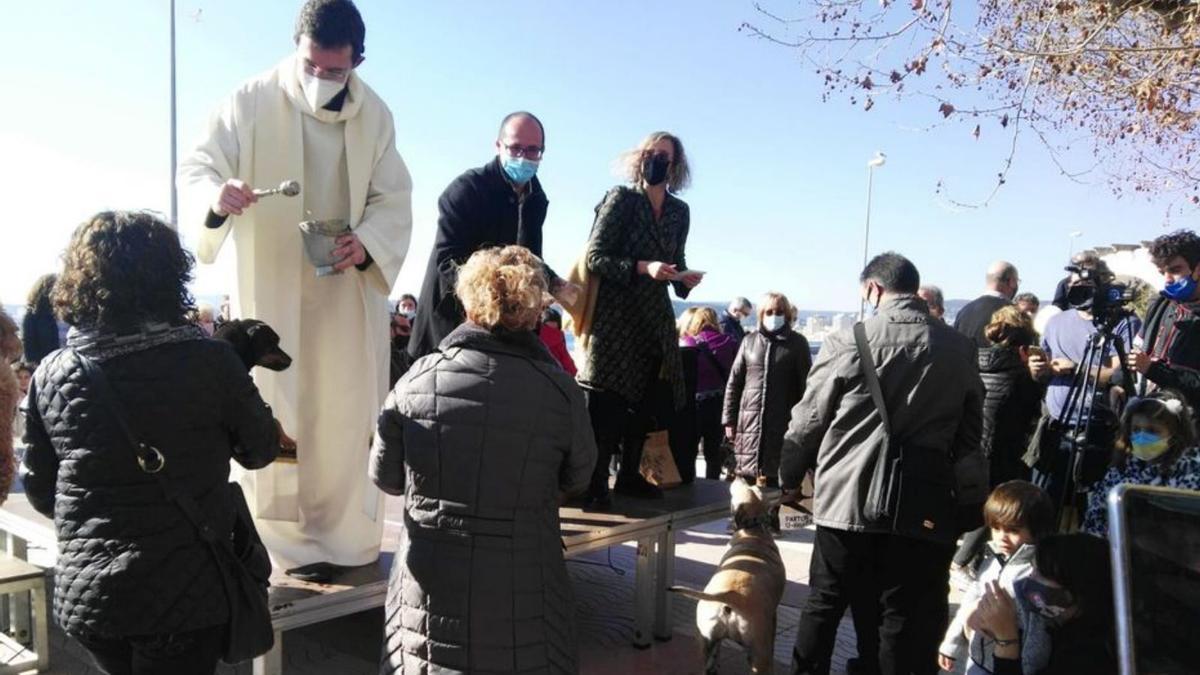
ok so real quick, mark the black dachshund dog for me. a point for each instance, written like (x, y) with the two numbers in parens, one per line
(257, 344)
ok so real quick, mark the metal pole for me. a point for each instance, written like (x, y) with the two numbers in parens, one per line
(174, 150)
(862, 303)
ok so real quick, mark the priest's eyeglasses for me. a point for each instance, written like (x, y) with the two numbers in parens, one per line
(338, 74)
(533, 152)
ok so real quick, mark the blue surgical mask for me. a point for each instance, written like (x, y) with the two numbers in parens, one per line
(773, 324)
(1147, 445)
(1180, 290)
(519, 169)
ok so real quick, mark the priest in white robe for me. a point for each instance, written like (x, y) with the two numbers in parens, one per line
(311, 119)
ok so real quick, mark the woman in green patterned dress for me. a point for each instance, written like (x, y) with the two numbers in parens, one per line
(631, 372)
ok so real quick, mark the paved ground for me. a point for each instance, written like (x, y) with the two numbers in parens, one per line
(603, 585)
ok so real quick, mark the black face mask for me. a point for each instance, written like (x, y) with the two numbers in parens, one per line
(1081, 296)
(654, 169)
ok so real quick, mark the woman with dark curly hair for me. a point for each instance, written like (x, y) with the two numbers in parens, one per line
(39, 330)
(135, 584)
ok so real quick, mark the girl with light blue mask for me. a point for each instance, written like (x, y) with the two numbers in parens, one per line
(1157, 446)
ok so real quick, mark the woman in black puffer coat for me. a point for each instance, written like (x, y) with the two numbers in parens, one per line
(1013, 402)
(1011, 407)
(134, 583)
(766, 382)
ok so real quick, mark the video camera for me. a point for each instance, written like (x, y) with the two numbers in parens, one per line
(1095, 293)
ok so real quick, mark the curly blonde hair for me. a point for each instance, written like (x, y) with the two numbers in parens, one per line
(502, 287)
(679, 176)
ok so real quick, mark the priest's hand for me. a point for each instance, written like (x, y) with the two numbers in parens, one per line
(234, 198)
(349, 251)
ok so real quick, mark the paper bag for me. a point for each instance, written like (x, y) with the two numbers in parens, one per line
(658, 467)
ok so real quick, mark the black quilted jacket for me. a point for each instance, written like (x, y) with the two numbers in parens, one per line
(1012, 405)
(129, 562)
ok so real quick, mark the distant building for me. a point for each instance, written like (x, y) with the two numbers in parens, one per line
(815, 325)
(842, 322)
(1132, 260)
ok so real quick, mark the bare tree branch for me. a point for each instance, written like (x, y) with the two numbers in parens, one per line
(1125, 74)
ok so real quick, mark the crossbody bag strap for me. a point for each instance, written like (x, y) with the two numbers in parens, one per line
(149, 458)
(869, 374)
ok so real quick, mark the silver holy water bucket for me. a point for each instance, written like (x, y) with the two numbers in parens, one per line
(320, 241)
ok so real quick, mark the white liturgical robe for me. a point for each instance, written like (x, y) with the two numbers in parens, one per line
(321, 507)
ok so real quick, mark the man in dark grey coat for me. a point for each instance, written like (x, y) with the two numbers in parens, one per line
(895, 582)
(497, 204)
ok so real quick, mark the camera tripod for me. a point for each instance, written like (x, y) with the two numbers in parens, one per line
(1078, 415)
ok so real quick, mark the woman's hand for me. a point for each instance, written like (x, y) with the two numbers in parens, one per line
(692, 279)
(286, 443)
(996, 616)
(945, 663)
(729, 433)
(658, 271)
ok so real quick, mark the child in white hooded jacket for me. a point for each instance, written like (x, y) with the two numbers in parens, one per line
(1018, 514)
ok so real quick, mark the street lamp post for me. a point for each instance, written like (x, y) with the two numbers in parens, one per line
(874, 163)
(174, 150)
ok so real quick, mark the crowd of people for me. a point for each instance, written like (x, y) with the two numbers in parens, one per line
(972, 452)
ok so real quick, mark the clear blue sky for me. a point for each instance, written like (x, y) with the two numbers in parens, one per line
(780, 177)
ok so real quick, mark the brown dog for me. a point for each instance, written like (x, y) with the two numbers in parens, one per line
(739, 601)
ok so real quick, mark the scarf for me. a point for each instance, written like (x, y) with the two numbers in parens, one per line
(102, 345)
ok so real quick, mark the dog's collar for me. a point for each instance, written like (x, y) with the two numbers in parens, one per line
(762, 520)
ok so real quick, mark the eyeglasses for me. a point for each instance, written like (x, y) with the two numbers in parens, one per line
(774, 312)
(655, 155)
(339, 74)
(527, 151)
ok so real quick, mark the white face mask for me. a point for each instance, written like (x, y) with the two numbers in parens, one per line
(319, 92)
(772, 324)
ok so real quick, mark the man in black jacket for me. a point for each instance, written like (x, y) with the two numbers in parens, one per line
(1167, 352)
(498, 204)
(1003, 282)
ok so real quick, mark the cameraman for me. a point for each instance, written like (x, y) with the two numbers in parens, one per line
(1167, 351)
(1064, 344)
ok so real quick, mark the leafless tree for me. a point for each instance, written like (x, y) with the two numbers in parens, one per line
(1110, 88)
